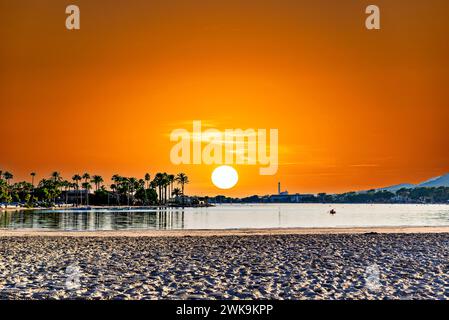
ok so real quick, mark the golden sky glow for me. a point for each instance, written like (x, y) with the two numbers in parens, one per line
(354, 108)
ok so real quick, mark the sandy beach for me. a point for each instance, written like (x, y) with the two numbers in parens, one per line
(218, 232)
(382, 263)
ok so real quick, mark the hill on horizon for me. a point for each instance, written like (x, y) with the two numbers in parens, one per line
(440, 181)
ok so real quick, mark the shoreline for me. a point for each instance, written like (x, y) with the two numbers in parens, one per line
(94, 208)
(220, 233)
(155, 207)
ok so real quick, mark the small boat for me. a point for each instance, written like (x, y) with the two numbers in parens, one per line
(332, 211)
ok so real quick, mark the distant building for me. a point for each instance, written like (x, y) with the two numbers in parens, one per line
(279, 190)
(284, 197)
(280, 197)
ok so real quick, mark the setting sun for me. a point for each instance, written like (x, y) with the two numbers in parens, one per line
(225, 177)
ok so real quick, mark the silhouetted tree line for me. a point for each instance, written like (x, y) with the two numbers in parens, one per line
(77, 191)
(412, 195)
(404, 195)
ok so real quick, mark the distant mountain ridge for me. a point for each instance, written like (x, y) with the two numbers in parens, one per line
(397, 187)
(441, 181)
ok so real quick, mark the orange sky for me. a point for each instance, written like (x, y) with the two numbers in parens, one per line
(355, 109)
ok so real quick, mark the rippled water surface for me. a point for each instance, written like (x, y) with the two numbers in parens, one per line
(231, 217)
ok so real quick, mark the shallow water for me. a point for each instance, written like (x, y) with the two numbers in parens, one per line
(232, 217)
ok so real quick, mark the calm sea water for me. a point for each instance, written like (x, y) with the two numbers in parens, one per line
(232, 217)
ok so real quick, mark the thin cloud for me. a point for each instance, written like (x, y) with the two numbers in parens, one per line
(364, 165)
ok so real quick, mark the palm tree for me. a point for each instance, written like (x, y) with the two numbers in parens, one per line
(87, 186)
(133, 185)
(124, 185)
(147, 180)
(158, 181)
(182, 179)
(56, 176)
(142, 186)
(165, 184)
(8, 176)
(153, 184)
(67, 185)
(32, 174)
(171, 180)
(114, 190)
(86, 177)
(97, 180)
(77, 178)
(141, 183)
(117, 179)
(176, 192)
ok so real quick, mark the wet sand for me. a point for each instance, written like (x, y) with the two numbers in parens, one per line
(256, 264)
(210, 232)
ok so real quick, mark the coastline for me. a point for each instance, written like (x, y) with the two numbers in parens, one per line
(94, 207)
(220, 233)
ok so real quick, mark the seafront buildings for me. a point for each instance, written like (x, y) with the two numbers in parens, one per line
(280, 197)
